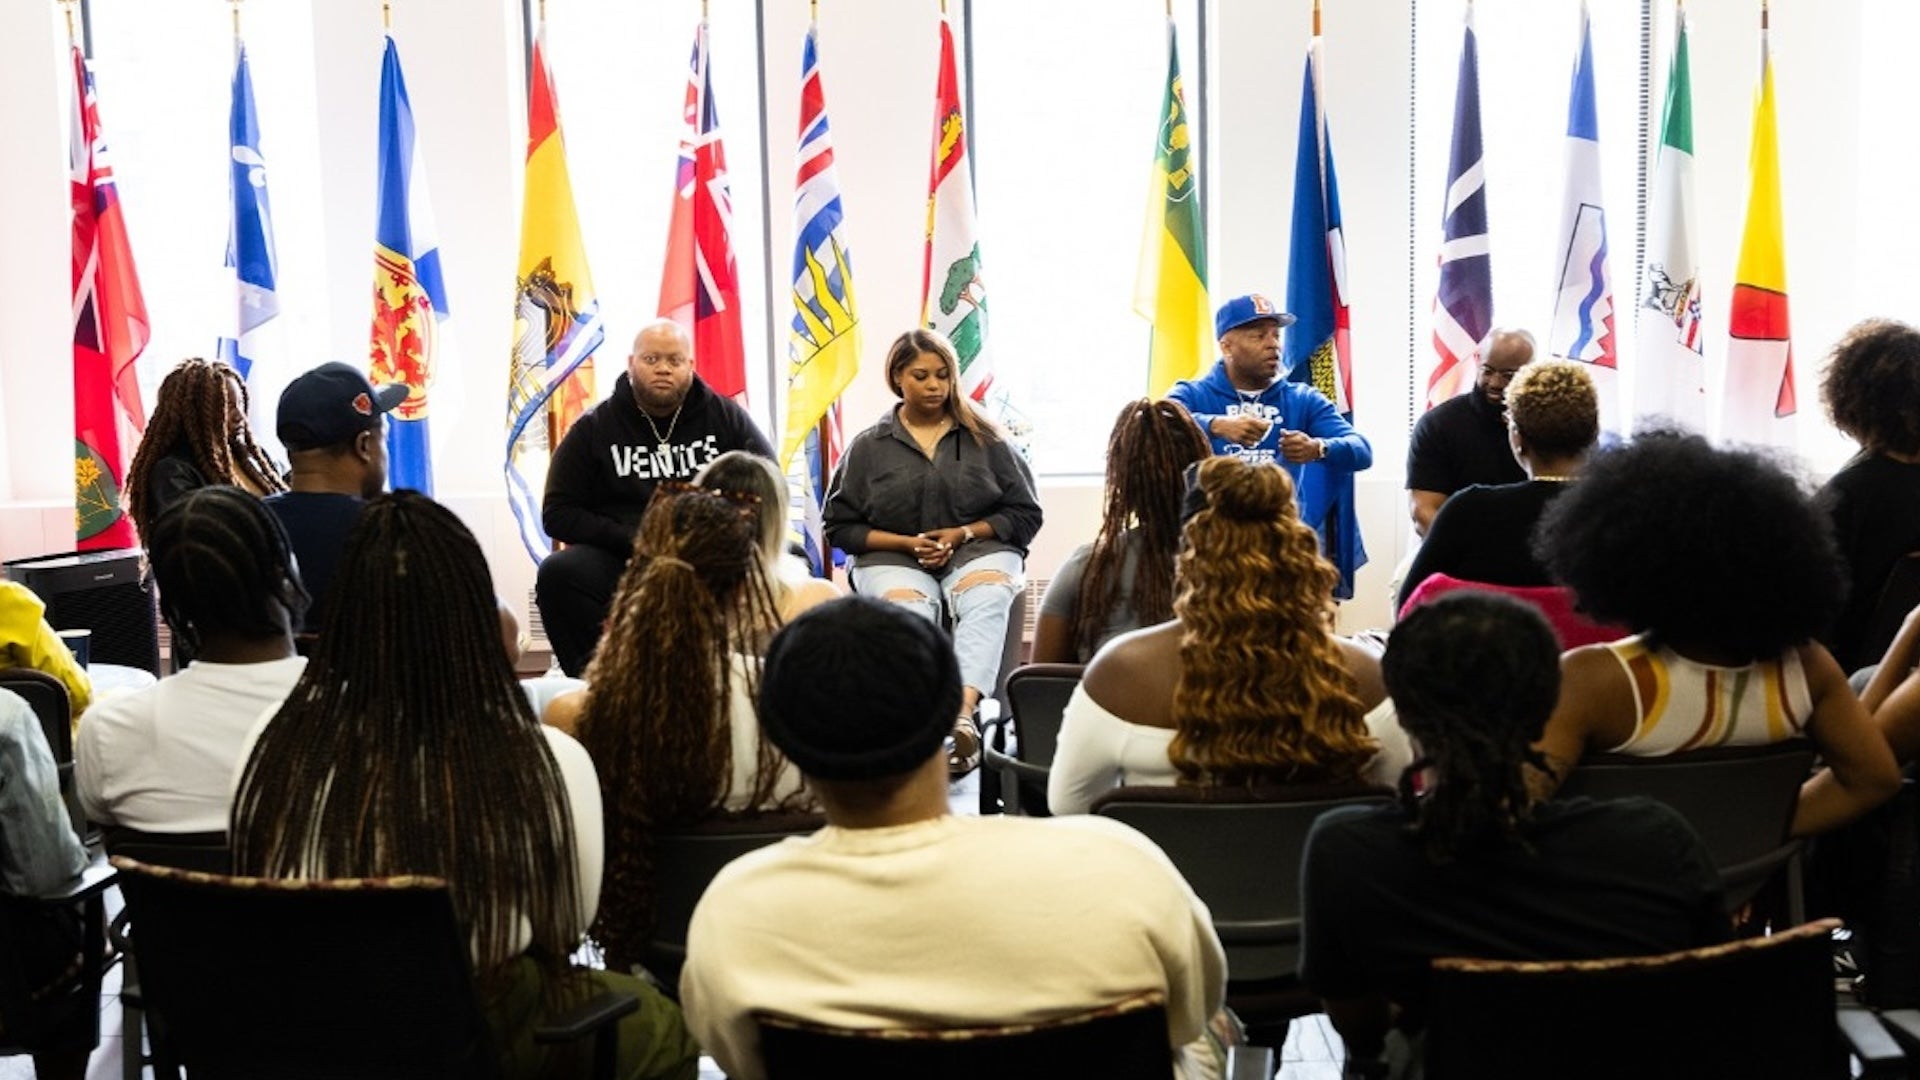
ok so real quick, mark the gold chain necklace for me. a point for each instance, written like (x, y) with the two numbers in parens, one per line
(671, 424)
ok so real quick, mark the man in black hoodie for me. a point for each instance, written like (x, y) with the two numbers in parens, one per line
(662, 422)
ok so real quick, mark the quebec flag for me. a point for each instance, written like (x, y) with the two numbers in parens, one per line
(251, 267)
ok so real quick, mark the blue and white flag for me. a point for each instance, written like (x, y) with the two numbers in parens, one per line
(1463, 304)
(251, 265)
(1582, 327)
(409, 295)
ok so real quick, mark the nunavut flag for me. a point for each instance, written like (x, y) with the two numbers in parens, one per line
(109, 330)
(556, 318)
(1171, 289)
(1583, 315)
(1759, 404)
(409, 294)
(700, 287)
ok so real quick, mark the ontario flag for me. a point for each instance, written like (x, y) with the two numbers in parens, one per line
(1318, 349)
(109, 330)
(1463, 306)
(953, 292)
(1583, 313)
(700, 286)
(409, 293)
(1759, 404)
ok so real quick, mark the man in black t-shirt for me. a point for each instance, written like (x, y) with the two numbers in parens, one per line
(1463, 442)
(662, 422)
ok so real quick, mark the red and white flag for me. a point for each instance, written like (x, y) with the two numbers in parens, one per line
(700, 287)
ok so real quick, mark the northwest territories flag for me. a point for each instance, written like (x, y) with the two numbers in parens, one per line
(1463, 306)
(1759, 403)
(409, 295)
(1669, 377)
(700, 287)
(251, 265)
(1318, 350)
(1583, 302)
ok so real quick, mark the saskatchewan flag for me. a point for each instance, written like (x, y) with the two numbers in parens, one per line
(1171, 289)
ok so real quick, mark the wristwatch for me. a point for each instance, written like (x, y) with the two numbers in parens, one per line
(1322, 444)
(966, 531)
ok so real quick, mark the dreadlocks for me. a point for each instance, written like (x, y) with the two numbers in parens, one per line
(407, 746)
(658, 719)
(1152, 444)
(223, 565)
(199, 413)
(1473, 677)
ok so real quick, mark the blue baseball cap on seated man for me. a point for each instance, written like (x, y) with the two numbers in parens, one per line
(1242, 310)
(330, 405)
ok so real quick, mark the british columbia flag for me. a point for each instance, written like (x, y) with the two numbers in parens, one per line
(1463, 306)
(700, 287)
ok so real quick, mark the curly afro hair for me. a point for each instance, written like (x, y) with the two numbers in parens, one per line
(1555, 408)
(1717, 549)
(1872, 386)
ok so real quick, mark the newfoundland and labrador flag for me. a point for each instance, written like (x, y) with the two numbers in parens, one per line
(409, 294)
(700, 284)
(1759, 404)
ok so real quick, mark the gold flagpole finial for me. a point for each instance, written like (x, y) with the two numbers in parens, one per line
(1763, 14)
(1169, 9)
(386, 15)
(1316, 18)
(703, 10)
(66, 8)
(543, 10)
(236, 19)
(943, 7)
(813, 10)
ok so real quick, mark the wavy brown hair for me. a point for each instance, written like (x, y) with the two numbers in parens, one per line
(201, 410)
(658, 720)
(907, 347)
(1264, 694)
(1148, 452)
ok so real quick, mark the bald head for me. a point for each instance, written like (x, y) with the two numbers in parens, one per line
(1507, 351)
(660, 367)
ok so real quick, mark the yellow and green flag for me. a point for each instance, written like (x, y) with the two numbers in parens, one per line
(1171, 289)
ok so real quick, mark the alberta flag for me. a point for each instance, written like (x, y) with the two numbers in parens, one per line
(1669, 376)
(700, 286)
(1318, 351)
(409, 295)
(1463, 307)
(1759, 404)
(251, 265)
(1582, 327)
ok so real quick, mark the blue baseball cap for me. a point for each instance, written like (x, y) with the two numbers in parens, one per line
(330, 405)
(1242, 310)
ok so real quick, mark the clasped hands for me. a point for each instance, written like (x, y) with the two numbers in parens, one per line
(935, 547)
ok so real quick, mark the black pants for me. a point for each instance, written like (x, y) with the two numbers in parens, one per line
(574, 590)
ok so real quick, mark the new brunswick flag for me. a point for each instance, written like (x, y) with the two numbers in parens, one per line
(1759, 404)
(1171, 289)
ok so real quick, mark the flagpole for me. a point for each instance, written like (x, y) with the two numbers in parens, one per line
(236, 22)
(1316, 18)
(66, 8)
(386, 15)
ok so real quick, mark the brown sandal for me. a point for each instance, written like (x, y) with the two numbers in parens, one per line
(963, 748)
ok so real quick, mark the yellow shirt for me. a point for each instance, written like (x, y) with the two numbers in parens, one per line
(27, 641)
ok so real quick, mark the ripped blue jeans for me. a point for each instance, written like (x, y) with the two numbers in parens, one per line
(980, 607)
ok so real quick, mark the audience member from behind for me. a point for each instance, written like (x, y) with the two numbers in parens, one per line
(668, 714)
(1248, 684)
(873, 922)
(333, 424)
(161, 759)
(1466, 864)
(1484, 533)
(28, 641)
(1872, 391)
(386, 760)
(197, 435)
(1726, 573)
(741, 473)
(1124, 579)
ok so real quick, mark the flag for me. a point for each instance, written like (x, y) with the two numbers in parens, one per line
(251, 263)
(1463, 305)
(823, 347)
(953, 293)
(1582, 327)
(1170, 290)
(700, 286)
(556, 314)
(409, 293)
(1318, 350)
(1669, 378)
(1759, 403)
(109, 329)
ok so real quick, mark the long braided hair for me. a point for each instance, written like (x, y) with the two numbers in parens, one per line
(201, 411)
(223, 565)
(1148, 452)
(1473, 677)
(408, 747)
(658, 719)
(1263, 694)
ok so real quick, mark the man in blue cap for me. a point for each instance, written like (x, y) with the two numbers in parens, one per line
(1246, 408)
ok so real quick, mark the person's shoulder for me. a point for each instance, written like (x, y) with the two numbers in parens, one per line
(1115, 672)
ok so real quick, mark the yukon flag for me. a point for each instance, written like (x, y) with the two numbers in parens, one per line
(109, 329)
(409, 294)
(1318, 351)
(700, 285)
(823, 347)
(1463, 305)
(251, 265)
(953, 294)
(1669, 376)
(1759, 404)
(556, 321)
(1171, 289)
(1582, 326)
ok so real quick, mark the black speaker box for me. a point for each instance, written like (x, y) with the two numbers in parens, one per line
(106, 592)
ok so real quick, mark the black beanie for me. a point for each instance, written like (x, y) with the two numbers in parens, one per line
(858, 689)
